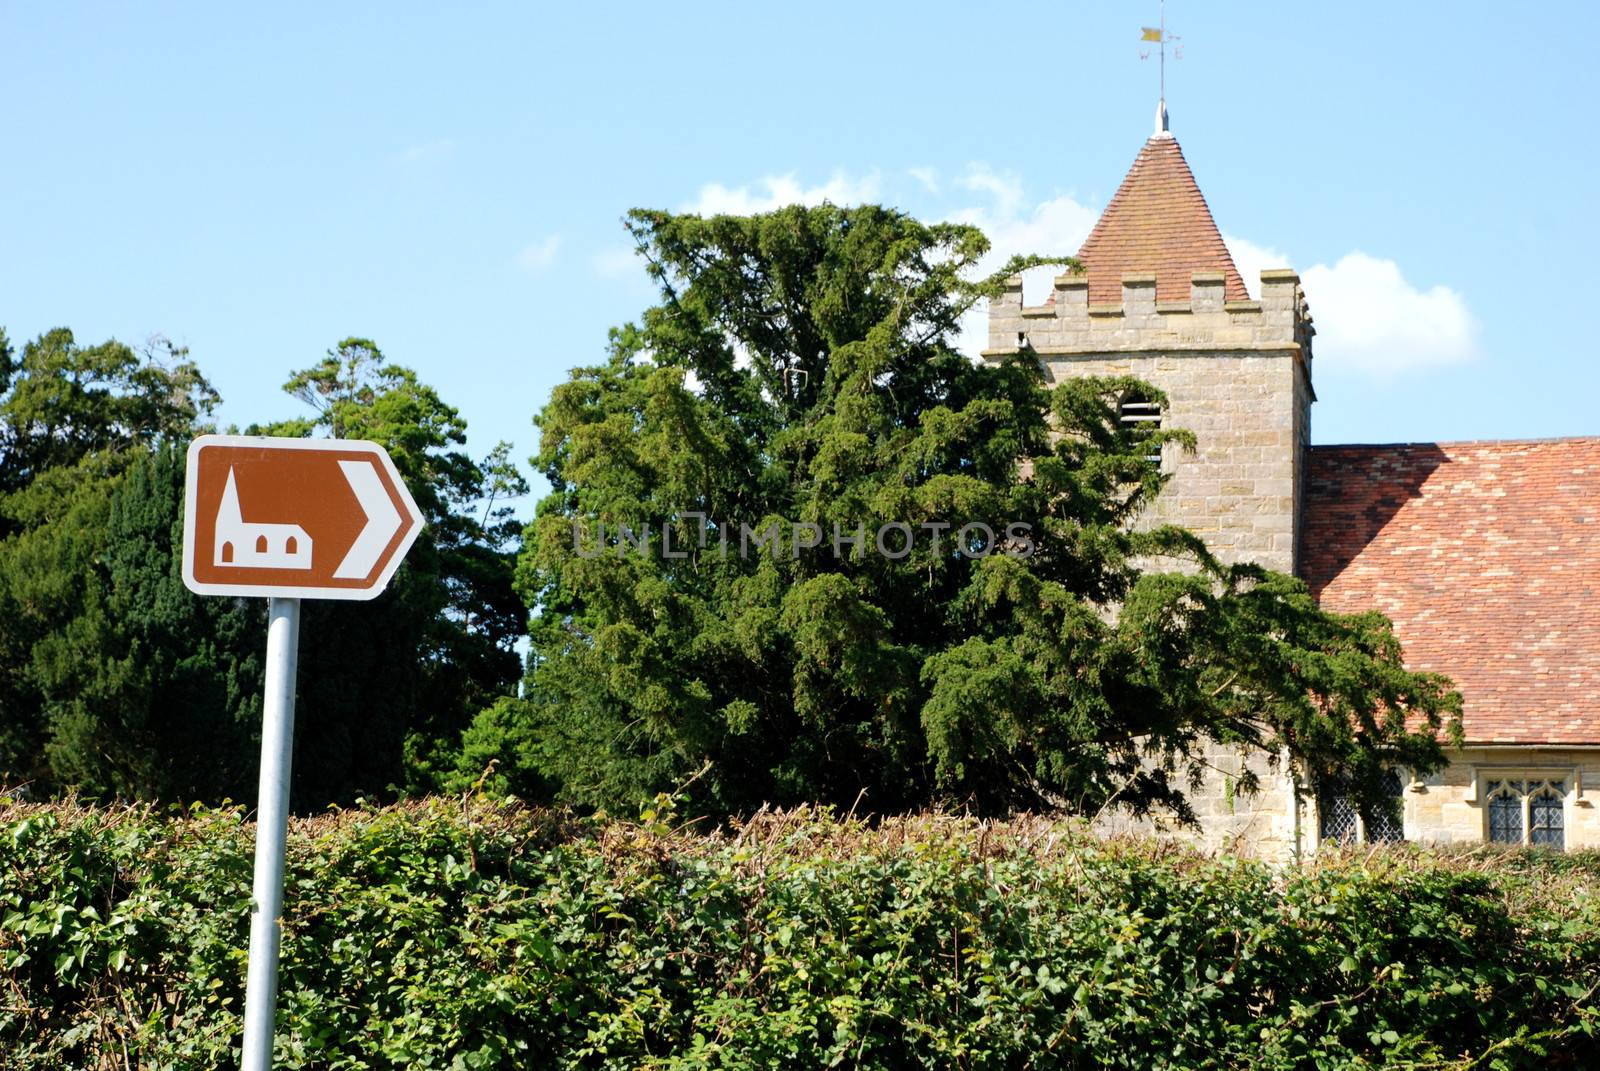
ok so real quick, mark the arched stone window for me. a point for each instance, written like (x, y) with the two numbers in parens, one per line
(1546, 819)
(1505, 813)
(1531, 811)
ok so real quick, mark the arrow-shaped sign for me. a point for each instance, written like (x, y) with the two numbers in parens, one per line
(294, 518)
(383, 520)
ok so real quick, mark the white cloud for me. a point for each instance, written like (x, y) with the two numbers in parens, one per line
(1055, 227)
(1005, 189)
(927, 176)
(779, 190)
(536, 256)
(1252, 259)
(1370, 318)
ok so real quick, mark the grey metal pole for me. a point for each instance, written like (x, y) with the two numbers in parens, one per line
(272, 822)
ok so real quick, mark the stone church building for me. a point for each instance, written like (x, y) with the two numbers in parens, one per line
(1486, 555)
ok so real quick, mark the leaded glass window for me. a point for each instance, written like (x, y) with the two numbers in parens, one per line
(1546, 819)
(1527, 812)
(1384, 826)
(1505, 813)
(1339, 820)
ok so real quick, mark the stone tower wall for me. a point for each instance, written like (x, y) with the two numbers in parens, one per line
(1236, 373)
(1270, 824)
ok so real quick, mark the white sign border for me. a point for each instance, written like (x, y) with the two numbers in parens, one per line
(289, 591)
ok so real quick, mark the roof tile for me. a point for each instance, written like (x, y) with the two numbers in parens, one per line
(1487, 558)
(1157, 222)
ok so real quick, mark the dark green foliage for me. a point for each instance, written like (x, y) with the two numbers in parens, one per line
(118, 682)
(46, 582)
(826, 390)
(467, 935)
(153, 692)
(64, 402)
(122, 683)
(73, 420)
(7, 361)
(387, 687)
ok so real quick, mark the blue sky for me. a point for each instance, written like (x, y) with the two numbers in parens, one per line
(258, 183)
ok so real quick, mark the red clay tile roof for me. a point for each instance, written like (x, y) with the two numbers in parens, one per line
(1487, 558)
(1157, 222)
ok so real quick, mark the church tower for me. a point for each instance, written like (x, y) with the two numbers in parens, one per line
(1159, 298)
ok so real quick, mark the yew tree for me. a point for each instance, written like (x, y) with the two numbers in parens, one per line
(800, 368)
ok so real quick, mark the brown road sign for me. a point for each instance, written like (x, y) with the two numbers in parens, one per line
(293, 518)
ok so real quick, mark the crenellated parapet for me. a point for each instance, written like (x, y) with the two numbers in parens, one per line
(1068, 324)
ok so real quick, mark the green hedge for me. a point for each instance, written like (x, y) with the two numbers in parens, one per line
(465, 934)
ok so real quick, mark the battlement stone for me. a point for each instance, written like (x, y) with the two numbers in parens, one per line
(1068, 324)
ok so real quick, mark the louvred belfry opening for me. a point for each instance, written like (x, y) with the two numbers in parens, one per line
(1158, 222)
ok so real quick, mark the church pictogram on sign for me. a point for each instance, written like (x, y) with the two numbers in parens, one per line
(244, 545)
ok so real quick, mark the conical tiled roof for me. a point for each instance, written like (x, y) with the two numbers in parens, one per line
(1158, 222)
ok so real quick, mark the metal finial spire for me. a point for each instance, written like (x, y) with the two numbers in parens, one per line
(1159, 35)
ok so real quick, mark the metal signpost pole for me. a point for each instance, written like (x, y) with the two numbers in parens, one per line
(272, 821)
(287, 519)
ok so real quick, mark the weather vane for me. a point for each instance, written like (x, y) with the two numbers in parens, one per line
(1159, 35)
